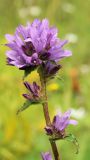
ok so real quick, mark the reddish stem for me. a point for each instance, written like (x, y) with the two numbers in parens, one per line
(46, 115)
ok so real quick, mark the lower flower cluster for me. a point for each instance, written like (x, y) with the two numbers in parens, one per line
(57, 129)
(59, 124)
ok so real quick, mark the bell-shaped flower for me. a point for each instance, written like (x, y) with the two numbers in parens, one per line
(59, 124)
(34, 92)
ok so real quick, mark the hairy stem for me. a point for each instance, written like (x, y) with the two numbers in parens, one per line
(46, 115)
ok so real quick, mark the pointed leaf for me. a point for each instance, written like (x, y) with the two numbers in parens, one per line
(24, 106)
(59, 78)
(28, 103)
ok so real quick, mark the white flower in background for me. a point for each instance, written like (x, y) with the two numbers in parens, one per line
(33, 11)
(58, 110)
(68, 7)
(28, 2)
(71, 37)
(23, 12)
(78, 113)
(85, 69)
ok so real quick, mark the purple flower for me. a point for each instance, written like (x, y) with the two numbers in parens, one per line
(60, 123)
(34, 44)
(46, 156)
(50, 68)
(34, 91)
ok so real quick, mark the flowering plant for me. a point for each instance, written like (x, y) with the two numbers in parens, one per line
(37, 46)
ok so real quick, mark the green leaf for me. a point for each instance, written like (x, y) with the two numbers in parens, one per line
(59, 78)
(72, 138)
(24, 106)
(28, 103)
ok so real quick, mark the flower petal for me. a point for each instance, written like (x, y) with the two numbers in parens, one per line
(46, 156)
(9, 37)
(73, 122)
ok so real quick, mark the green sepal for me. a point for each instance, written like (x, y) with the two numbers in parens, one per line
(73, 139)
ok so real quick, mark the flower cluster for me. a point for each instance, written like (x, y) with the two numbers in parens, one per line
(59, 124)
(35, 44)
(50, 69)
(34, 94)
(46, 156)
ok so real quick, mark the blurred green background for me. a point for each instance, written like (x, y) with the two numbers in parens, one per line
(22, 137)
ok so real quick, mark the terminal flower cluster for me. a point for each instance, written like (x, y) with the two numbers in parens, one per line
(36, 44)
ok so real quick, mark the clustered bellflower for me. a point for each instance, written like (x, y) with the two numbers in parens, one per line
(36, 44)
(60, 123)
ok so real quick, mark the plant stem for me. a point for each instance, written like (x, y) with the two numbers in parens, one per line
(46, 115)
(54, 149)
(45, 104)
